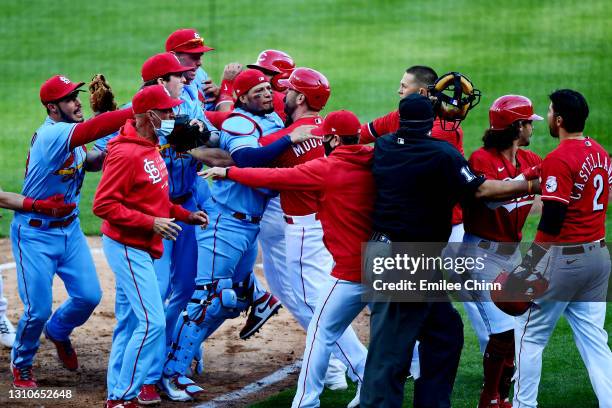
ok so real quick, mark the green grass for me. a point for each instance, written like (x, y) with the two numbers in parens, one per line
(564, 383)
(525, 47)
(363, 47)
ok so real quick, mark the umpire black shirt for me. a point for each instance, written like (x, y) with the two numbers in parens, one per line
(419, 180)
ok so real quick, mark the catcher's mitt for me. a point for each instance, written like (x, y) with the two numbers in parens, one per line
(185, 137)
(101, 98)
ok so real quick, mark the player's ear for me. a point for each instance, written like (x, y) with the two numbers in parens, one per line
(301, 99)
(243, 98)
(52, 108)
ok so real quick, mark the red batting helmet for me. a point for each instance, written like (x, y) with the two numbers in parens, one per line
(274, 62)
(516, 295)
(508, 109)
(312, 84)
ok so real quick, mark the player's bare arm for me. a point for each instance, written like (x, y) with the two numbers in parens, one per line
(504, 190)
(94, 160)
(54, 205)
(212, 156)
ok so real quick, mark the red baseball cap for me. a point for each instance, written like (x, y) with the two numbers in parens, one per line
(186, 40)
(153, 97)
(162, 64)
(340, 123)
(56, 88)
(247, 79)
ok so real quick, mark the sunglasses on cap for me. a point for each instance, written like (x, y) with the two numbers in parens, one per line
(190, 44)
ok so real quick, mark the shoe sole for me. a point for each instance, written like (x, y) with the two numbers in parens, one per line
(337, 387)
(152, 402)
(256, 328)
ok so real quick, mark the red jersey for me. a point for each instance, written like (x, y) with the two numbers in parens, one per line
(297, 202)
(578, 173)
(390, 124)
(505, 222)
(133, 191)
(346, 184)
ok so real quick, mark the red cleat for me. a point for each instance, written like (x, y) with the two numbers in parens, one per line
(65, 352)
(148, 395)
(488, 401)
(505, 404)
(261, 311)
(23, 377)
(121, 404)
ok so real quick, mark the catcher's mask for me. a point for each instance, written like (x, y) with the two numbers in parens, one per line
(455, 96)
(517, 295)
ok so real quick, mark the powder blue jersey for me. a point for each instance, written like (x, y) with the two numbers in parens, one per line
(52, 168)
(238, 133)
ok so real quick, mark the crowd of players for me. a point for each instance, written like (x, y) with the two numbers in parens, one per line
(309, 191)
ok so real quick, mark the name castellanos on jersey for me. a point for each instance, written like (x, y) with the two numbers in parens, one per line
(590, 164)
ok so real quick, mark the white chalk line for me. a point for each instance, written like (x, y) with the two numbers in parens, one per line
(13, 265)
(254, 387)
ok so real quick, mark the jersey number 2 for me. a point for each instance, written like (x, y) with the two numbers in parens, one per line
(598, 183)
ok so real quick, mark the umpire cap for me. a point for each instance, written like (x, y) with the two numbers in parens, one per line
(416, 113)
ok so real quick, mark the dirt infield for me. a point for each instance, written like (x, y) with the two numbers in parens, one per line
(230, 363)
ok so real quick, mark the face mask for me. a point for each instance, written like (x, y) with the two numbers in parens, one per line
(166, 127)
(328, 148)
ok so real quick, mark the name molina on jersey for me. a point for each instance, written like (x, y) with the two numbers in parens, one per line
(305, 146)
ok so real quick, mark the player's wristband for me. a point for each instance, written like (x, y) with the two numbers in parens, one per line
(28, 204)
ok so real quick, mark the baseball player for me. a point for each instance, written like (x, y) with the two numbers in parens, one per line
(189, 48)
(569, 249)
(44, 245)
(493, 232)
(52, 206)
(346, 187)
(133, 200)
(275, 65)
(225, 283)
(418, 79)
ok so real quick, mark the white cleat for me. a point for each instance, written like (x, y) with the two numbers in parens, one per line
(355, 401)
(173, 390)
(336, 384)
(7, 332)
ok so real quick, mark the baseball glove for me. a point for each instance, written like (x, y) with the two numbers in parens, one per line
(101, 97)
(185, 137)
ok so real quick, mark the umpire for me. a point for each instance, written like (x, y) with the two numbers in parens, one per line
(419, 179)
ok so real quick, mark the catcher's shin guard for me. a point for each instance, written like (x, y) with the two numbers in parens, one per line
(210, 304)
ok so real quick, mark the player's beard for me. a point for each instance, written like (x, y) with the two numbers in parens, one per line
(67, 118)
(554, 131)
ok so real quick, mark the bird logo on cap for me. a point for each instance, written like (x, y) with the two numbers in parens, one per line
(64, 79)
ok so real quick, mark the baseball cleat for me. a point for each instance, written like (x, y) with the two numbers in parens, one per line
(7, 332)
(489, 401)
(337, 384)
(23, 377)
(114, 404)
(355, 401)
(260, 312)
(180, 388)
(505, 404)
(148, 395)
(65, 352)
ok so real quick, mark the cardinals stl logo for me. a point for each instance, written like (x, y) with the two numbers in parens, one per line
(152, 171)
